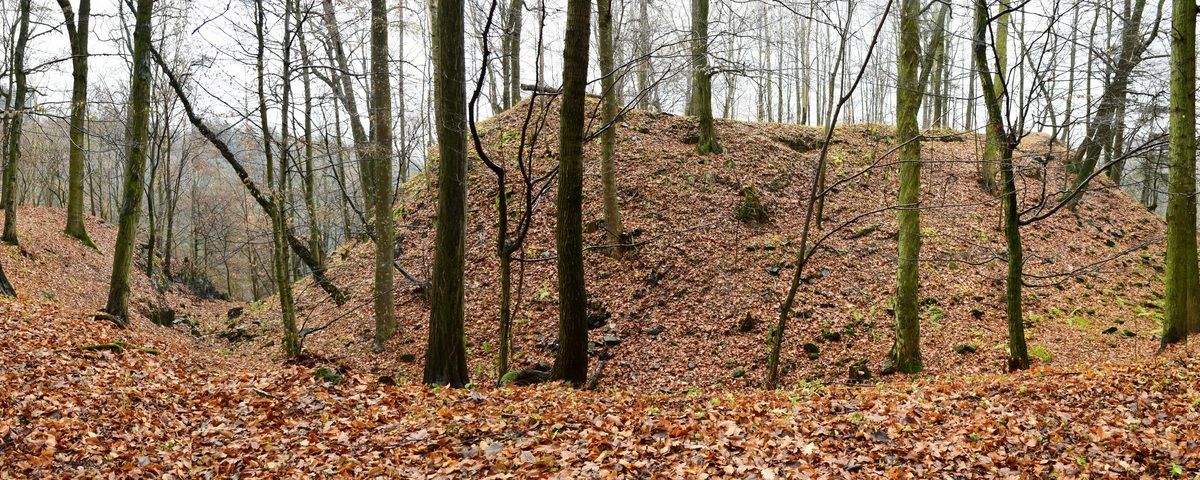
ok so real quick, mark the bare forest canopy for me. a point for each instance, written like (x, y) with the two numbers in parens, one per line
(882, 230)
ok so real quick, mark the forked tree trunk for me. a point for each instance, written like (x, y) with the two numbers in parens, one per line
(77, 35)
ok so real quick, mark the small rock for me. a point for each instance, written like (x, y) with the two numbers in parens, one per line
(977, 313)
(655, 330)
(408, 357)
(774, 270)
(612, 340)
(965, 348)
(1110, 330)
(1128, 334)
(691, 365)
(739, 373)
(831, 336)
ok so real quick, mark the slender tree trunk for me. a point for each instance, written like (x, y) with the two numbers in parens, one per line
(135, 161)
(1018, 356)
(1071, 79)
(991, 149)
(446, 354)
(608, 139)
(643, 53)
(344, 90)
(14, 127)
(310, 179)
(571, 362)
(905, 355)
(1182, 305)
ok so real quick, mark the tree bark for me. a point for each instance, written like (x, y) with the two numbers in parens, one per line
(381, 159)
(905, 355)
(571, 362)
(77, 35)
(14, 127)
(1018, 355)
(1182, 303)
(445, 353)
(702, 80)
(608, 140)
(135, 162)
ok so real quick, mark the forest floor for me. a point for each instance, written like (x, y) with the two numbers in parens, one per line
(81, 398)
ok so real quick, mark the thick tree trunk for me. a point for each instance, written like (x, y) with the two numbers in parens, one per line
(702, 80)
(381, 159)
(905, 355)
(445, 353)
(571, 362)
(135, 161)
(1182, 305)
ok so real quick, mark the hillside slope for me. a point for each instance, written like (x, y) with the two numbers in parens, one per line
(693, 306)
(52, 268)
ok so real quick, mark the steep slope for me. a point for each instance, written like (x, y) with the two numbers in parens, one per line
(694, 305)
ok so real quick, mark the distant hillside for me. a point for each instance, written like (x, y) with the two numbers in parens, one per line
(49, 266)
(694, 304)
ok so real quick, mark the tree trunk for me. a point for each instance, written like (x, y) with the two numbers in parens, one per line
(344, 90)
(701, 80)
(1182, 304)
(905, 355)
(991, 147)
(310, 178)
(1100, 129)
(571, 361)
(135, 162)
(14, 127)
(608, 140)
(1018, 356)
(381, 123)
(445, 354)
(77, 34)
